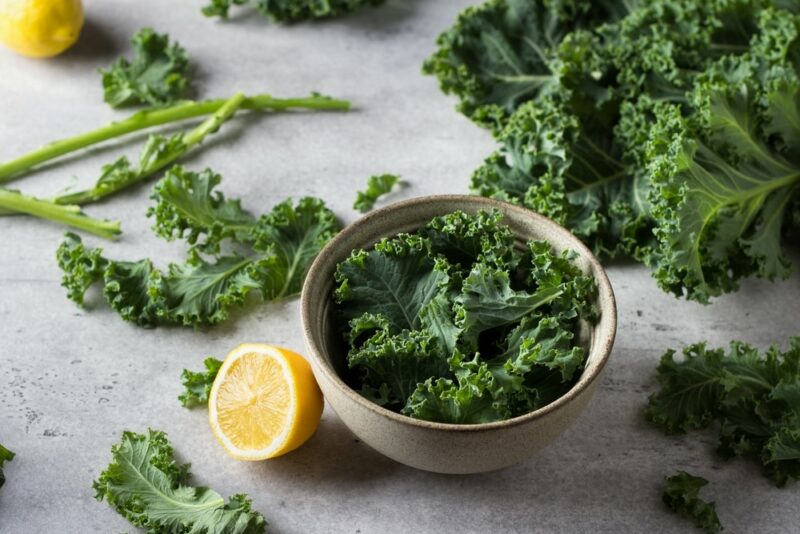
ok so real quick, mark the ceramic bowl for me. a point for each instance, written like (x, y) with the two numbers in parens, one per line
(440, 447)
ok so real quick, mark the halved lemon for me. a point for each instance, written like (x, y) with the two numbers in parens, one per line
(264, 402)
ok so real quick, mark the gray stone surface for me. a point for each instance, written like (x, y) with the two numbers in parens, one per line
(71, 380)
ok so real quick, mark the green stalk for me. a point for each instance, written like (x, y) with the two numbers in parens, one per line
(155, 117)
(69, 215)
(188, 141)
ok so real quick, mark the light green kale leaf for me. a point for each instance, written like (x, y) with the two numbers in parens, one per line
(188, 207)
(197, 384)
(147, 487)
(290, 10)
(5, 456)
(201, 292)
(680, 495)
(377, 186)
(157, 74)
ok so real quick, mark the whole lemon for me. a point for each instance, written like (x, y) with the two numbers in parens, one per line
(40, 28)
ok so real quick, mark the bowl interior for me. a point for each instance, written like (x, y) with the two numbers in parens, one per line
(320, 323)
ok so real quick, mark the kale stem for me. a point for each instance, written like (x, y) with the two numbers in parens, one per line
(188, 140)
(154, 117)
(70, 215)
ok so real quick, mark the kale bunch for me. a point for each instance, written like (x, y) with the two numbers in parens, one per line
(666, 131)
(452, 323)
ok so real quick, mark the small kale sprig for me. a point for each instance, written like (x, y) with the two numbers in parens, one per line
(680, 495)
(377, 186)
(201, 291)
(148, 488)
(197, 384)
(155, 76)
(452, 324)
(5, 456)
(755, 397)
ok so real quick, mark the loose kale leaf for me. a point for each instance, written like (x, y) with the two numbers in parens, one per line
(291, 10)
(202, 292)
(187, 207)
(155, 76)
(197, 385)
(5, 456)
(377, 186)
(147, 487)
(396, 280)
(754, 396)
(680, 494)
(291, 236)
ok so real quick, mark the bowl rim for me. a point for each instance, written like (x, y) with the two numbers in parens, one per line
(584, 382)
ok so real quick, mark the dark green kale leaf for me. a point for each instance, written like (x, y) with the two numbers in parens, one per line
(147, 487)
(401, 361)
(155, 76)
(197, 385)
(454, 323)
(680, 494)
(396, 280)
(474, 397)
(291, 10)
(755, 397)
(201, 291)
(377, 186)
(506, 52)
(5, 456)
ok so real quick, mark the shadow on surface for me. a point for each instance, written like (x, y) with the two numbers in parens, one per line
(94, 42)
(333, 456)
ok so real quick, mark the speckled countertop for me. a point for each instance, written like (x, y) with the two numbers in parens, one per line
(71, 380)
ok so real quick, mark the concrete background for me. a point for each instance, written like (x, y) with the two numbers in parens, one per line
(71, 380)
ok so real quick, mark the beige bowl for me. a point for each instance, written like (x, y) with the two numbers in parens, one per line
(440, 447)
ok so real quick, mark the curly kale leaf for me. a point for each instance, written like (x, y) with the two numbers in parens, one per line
(197, 384)
(395, 280)
(505, 52)
(291, 236)
(202, 292)
(155, 76)
(755, 397)
(377, 186)
(474, 397)
(187, 207)
(454, 323)
(291, 10)
(680, 494)
(401, 361)
(5, 456)
(573, 170)
(147, 487)
(722, 188)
